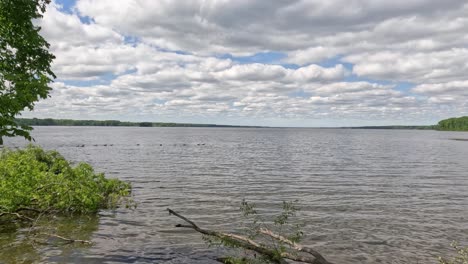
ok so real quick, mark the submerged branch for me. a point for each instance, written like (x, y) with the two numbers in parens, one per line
(270, 253)
(319, 258)
(67, 240)
(16, 215)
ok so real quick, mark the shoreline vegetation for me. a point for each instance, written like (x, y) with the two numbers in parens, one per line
(451, 124)
(46, 201)
(34, 182)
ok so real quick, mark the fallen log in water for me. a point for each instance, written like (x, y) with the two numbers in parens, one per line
(296, 252)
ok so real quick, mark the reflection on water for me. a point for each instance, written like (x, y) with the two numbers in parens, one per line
(30, 242)
(367, 196)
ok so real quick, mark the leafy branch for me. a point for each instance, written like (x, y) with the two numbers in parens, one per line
(262, 244)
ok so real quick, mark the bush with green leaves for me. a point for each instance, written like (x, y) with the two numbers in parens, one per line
(36, 181)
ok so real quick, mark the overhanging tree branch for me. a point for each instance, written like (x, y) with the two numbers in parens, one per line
(25, 68)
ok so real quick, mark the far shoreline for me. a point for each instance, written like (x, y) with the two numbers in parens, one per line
(36, 122)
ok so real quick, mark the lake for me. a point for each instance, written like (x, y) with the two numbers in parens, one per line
(366, 196)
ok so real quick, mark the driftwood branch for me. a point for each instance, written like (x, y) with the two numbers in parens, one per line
(29, 209)
(232, 238)
(319, 258)
(297, 251)
(17, 215)
(67, 240)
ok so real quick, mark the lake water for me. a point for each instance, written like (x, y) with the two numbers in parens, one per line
(367, 196)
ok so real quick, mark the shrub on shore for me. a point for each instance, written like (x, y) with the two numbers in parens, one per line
(36, 181)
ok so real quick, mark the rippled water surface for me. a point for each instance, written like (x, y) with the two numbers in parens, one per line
(367, 196)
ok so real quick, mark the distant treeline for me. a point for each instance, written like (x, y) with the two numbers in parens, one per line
(454, 124)
(451, 124)
(71, 122)
(396, 127)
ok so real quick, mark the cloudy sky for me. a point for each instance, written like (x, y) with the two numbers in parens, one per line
(277, 63)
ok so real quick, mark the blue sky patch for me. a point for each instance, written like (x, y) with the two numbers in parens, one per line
(404, 86)
(104, 79)
(67, 5)
(270, 57)
(300, 93)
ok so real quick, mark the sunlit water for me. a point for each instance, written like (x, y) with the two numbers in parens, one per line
(367, 196)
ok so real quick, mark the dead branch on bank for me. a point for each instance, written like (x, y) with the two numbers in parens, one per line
(296, 251)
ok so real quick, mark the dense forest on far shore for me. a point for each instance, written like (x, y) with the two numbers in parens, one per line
(395, 127)
(71, 122)
(454, 124)
(451, 124)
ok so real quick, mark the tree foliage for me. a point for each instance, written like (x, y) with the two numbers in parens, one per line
(25, 72)
(454, 124)
(34, 180)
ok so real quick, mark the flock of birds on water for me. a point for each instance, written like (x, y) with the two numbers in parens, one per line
(110, 145)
